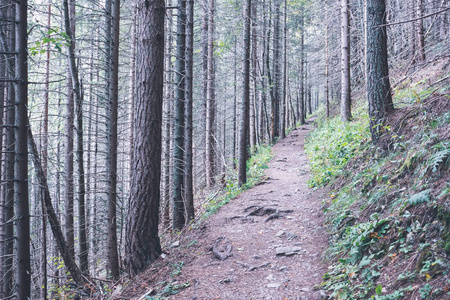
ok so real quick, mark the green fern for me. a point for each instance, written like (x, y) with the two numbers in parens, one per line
(440, 157)
(419, 198)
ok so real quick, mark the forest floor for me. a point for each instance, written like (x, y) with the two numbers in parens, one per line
(265, 244)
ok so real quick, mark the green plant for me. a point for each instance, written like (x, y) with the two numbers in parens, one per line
(419, 198)
(425, 291)
(176, 268)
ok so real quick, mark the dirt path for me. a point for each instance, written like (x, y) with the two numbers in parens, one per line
(279, 215)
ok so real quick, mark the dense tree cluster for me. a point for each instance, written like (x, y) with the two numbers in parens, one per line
(132, 112)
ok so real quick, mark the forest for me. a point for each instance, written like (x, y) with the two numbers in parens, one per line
(126, 125)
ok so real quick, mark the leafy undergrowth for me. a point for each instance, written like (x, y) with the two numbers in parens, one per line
(255, 173)
(388, 211)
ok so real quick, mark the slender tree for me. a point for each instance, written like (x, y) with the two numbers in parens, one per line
(243, 143)
(22, 220)
(420, 32)
(8, 229)
(179, 149)
(188, 134)
(142, 245)
(276, 94)
(345, 62)
(210, 101)
(113, 257)
(378, 85)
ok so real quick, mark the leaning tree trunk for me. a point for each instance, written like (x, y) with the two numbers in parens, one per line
(378, 85)
(142, 245)
(53, 219)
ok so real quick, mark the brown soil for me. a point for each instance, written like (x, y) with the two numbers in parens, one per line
(280, 212)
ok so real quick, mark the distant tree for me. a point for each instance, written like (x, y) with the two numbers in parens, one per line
(142, 245)
(378, 85)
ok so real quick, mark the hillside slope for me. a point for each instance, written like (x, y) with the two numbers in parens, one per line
(388, 210)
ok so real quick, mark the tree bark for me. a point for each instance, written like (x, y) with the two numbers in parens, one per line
(204, 54)
(21, 202)
(345, 62)
(142, 245)
(188, 134)
(112, 264)
(243, 143)
(327, 71)
(420, 33)
(8, 229)
(276, 72)
(179, 121)
(210, 103)
(378, 85)
(284, 107)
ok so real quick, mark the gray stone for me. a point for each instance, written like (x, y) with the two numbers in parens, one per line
(280, 233)
(273, 285)
(287, 250)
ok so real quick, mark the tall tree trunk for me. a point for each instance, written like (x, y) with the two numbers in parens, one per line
(204, 54)
(284, 106)
(44, 147)
(302, 70)
(254, 98)
(210, 103)
(188, 134)
(69, 24)
(112, 264)
(3, 74)
(8, 229)
(69, 184)
(142, 245)
(420, 33)
(179, 149)
(276, 72)
(234, 103)
(378, 85)
(167, 120)
(243, 143)
(22, 221)
(327, 71)
(345, 62)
